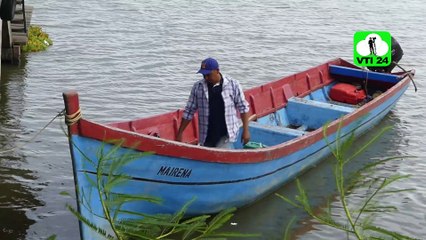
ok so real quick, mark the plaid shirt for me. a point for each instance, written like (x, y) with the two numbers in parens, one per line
(233, 98)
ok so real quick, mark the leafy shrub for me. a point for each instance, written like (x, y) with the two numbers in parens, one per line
(38, 40)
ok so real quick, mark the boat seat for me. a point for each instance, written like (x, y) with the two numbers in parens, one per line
(270, 135)
(344, 104)
(278, 129)
(314, 114)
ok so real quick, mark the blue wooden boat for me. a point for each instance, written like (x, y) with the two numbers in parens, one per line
(288, 116)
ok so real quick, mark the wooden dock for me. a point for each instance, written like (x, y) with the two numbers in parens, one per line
(15, 33)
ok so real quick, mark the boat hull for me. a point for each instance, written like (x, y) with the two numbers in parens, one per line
(213, 179)
(212, 186)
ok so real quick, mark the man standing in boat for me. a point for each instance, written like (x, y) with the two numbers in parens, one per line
(217, 98)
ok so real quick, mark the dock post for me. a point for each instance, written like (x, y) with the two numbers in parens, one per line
(14, 33)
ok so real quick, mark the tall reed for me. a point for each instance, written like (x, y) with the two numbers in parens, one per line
(358, 218)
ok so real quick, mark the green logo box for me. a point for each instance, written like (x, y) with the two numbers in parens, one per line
(372, 48)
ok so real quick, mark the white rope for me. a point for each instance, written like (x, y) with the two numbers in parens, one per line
(73, 118)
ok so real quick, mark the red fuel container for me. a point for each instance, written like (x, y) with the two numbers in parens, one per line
(347, 93)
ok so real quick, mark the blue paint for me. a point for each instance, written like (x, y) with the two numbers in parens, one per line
(272, 135)
(217, 186)
(257, 180)
(278, 118)
(319, 95)
(363, 74)
(314, 114)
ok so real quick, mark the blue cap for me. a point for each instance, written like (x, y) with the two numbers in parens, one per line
(208, 65)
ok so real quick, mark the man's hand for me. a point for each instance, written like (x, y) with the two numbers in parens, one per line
(182, 127)
(245, 137)
(179, 137)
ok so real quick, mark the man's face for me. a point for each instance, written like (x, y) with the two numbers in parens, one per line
(212, 76)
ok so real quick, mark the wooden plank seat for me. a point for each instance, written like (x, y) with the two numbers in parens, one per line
(272, 135)
(314, 114)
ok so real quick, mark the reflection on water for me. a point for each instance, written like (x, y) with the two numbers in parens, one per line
(16, 191)
(16, 199)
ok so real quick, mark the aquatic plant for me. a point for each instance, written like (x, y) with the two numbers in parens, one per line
(38, 40)
(125, 224)
(359, 220)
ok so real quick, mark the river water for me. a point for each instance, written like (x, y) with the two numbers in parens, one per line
(130, 59)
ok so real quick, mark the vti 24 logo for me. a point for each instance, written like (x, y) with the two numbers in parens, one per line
(372, 48)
